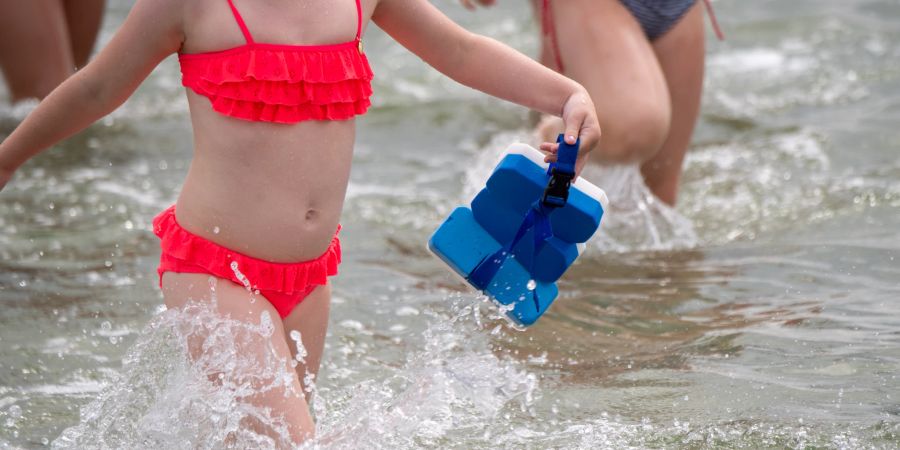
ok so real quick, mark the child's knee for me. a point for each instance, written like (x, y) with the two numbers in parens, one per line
(635, 134)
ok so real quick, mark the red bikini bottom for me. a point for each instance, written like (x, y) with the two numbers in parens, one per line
(284, 285)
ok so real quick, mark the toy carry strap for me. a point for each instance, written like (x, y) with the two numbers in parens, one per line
(555, 196)
(561, 173)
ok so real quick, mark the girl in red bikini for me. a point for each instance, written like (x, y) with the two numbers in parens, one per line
(273, 92)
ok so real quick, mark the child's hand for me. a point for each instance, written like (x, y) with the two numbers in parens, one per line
(580, 120)
(470, 4)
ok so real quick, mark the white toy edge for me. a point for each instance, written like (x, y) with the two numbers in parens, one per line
(583, 185)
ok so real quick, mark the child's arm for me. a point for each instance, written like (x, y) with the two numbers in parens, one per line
(489, 66)
(152, 31)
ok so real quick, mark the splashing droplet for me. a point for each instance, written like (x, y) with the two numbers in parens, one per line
(301, 350)
(266, 327)
(240, 276)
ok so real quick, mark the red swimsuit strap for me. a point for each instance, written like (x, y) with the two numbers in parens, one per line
(358, 20)
(240, 22)
(249, 37)
(550, 32)
(713, 21)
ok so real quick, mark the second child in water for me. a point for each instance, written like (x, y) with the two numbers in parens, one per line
(274, 88)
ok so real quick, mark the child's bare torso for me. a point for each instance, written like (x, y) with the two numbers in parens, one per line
(272, 191)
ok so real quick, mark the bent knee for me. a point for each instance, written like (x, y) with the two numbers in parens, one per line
(635, 134)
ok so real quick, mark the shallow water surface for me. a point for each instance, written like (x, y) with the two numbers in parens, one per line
(761, 313)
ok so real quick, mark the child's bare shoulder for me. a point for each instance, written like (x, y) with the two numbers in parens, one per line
(209, 25)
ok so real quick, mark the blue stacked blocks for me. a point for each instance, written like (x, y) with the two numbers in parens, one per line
(525, 283)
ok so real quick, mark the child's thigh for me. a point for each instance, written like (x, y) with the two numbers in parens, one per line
(225, 301)
(310, 319)
(604, 48)
(35, 54)
(267, 354)
(83, 18)
(681, 54)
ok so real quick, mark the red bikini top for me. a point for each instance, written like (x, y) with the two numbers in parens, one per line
(282, 83)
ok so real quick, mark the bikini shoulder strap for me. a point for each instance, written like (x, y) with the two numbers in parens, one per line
(240, 22)
(548, 28)
(358, 19)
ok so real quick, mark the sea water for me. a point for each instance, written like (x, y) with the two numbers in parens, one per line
(761, 312)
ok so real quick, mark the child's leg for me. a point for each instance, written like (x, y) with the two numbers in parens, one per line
(35, 53)
(604, 48)
(681, 54)
(83, 18)
(235, 302)
(310, 318)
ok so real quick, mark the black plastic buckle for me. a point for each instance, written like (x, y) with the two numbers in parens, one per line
(556, 194)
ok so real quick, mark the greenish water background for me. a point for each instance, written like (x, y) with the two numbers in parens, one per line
(763, 313)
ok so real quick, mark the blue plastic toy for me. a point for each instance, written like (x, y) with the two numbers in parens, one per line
(523, 230)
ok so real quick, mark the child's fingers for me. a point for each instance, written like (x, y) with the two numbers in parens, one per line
(580, 121)
(549, 150)
(574, 124)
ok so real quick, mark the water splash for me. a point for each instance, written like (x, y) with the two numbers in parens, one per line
(174, 392)
(185, 384)
(452, 390)
(752, 187)
(636, 219)
(298, 342)
(240, 276)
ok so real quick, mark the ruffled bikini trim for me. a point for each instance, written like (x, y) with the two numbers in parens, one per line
(272, 83)
(216, 260)
(253, 62)
(257, 111)
(282, 93)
